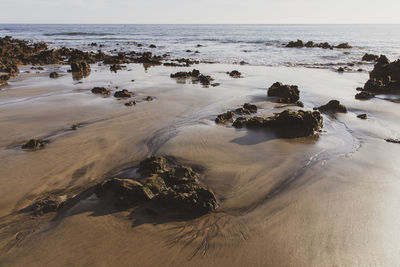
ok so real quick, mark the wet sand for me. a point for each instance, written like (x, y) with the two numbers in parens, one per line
(327, 201)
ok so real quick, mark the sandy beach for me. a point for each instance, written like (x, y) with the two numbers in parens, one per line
(325, 200)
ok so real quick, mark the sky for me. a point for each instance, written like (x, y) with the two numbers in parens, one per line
(200, 11)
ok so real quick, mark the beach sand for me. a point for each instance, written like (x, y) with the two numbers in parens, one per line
(316, 201)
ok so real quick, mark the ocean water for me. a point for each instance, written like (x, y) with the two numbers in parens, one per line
(256, 44)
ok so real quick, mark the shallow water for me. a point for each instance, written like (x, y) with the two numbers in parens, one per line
(255, 44)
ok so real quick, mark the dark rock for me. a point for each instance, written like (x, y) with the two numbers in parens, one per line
(225, 117)
(149, 98)
(34, 144)
(343, 46)
(184, 75)
(369, 57)
(54, 75)
(80, 68)
(341, 69)
(235, 74)
(286, 93)
(287, 124)
(364, 95)
(243, 63)
(215, 84)
(123, 192)
(384, 78)
(332, 106)
(250, 107)
(101, 90)
(390, 140)
(297, 44)
(153, 46)
(4, 79)
(205, 79)
(123, 94)
(362, 116)
(300, 104)
(130, 103)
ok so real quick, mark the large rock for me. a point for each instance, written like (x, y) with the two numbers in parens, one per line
(287, 124)
(384, 78)
(225, 117)
(333, 106)
(296, 44)
(285, 93)
(80, 69)
(165, 183)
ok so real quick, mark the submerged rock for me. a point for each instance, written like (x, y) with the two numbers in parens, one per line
(183, 75)
(285, 93)
(101, 91)
(310, 44)
(34, 144)
(296, 44)
(115, 68)
(287, 124)
(333, 106)
(123, 94)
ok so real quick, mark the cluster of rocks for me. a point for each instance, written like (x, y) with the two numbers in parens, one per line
(181, 62)
(195, 76)
(287, 124)
(288, 94)
(383, 79)
(226, 117)
(309, 44)
(164, 183)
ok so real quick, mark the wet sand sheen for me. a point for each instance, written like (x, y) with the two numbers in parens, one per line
(303, 202)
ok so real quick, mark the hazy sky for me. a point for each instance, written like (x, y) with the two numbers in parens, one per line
(200, 11)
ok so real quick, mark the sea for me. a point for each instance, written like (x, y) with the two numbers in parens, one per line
(261, 45)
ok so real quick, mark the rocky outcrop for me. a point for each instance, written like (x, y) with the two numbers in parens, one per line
(80, 69)
(310, 44)
(50, 203)
(287, 124)
(369, 57)
(286, 93)
(384, 78)
(332, 106)
(123, 94)
(101, 91)
(163, 182)
(391, 140)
